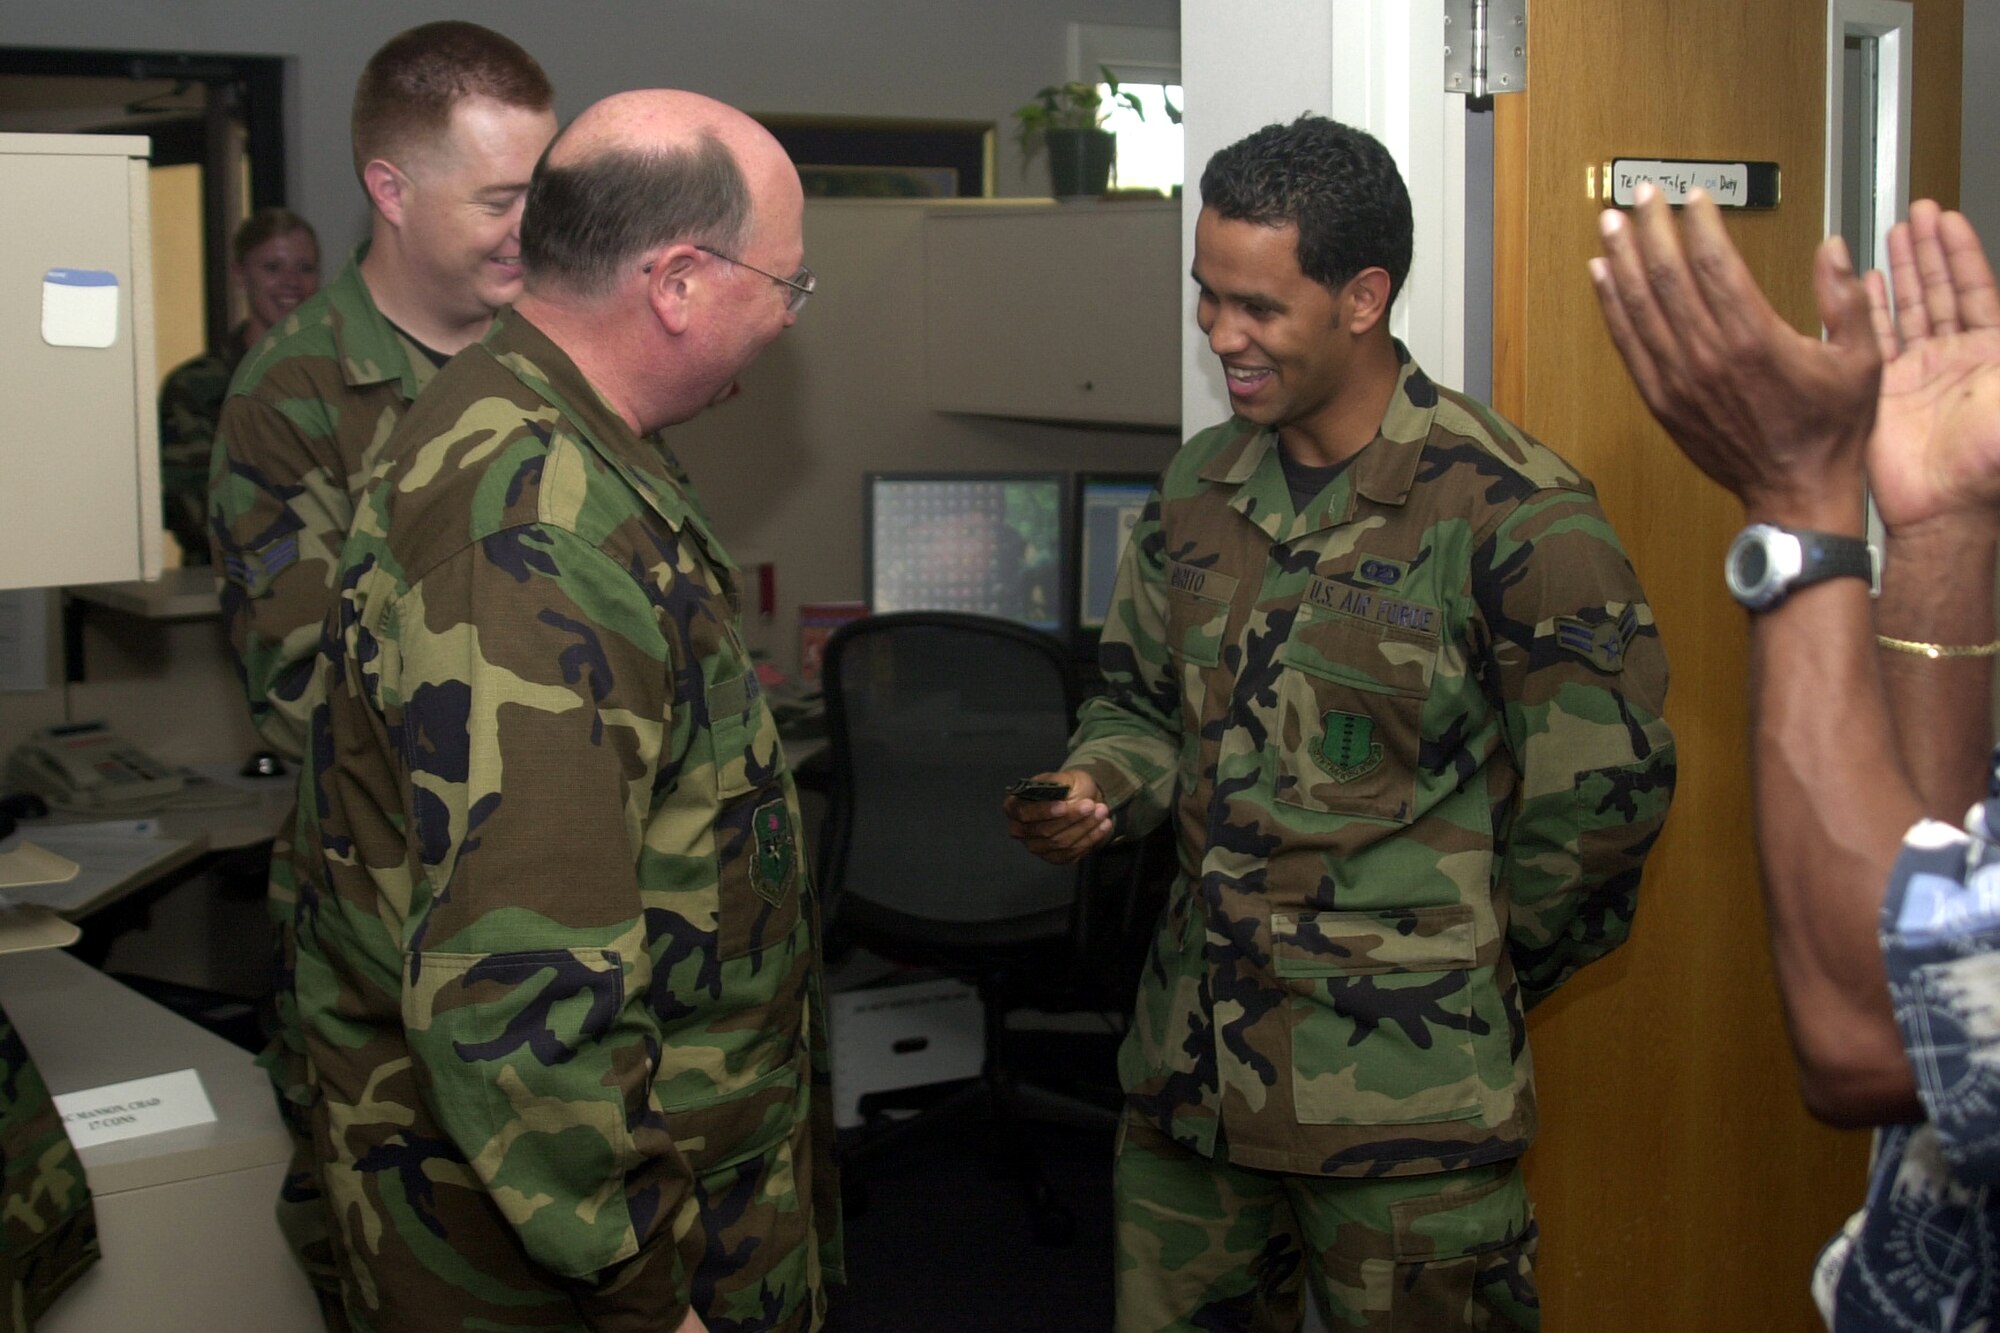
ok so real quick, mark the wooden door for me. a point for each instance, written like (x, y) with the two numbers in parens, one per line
(1679, 1181)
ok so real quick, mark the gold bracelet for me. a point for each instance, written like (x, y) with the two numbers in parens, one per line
(1937, 650)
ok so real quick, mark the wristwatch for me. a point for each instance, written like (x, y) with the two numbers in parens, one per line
(1766, 562)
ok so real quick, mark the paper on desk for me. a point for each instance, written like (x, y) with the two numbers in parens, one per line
(107, 851)
(25, 928)
(135, 1107)
(28, 866)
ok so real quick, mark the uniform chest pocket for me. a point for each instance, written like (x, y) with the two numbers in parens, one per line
(760, 855)
(1351, 698)
(1197, 613)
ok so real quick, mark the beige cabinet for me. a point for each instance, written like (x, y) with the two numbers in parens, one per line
(1056, 312)
(185, 1217)
(81, 502)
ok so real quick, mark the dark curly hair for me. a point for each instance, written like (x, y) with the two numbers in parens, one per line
(1336, 184)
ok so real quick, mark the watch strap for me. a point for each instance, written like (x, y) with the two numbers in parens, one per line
(1830, 555)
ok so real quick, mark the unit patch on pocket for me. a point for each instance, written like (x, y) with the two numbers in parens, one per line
(777, 851)
(1347, 748)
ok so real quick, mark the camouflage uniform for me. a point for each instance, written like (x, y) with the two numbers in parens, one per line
(301, 432)
(557, 963)
(48, 1231)
(190, 404)
(1411, 743)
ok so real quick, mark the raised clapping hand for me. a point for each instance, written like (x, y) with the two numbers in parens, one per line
(1778, 417)
(1935, 454)
(1061, 831)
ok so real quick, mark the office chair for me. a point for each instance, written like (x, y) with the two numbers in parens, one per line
(929, 716)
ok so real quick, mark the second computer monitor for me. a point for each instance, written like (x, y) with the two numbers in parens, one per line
(1107, 505)
(983, 542)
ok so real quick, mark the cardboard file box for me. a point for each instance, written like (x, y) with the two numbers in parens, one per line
(907, 1036)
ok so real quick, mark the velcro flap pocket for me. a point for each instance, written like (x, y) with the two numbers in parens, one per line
(1198, 603)
(723, 1130)
(1365, 654)
(532, 1078)
(1346, 944)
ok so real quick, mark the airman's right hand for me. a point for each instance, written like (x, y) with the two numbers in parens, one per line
(1061, 831)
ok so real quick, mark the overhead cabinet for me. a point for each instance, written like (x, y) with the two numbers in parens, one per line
(1056, 312)
(81, 503)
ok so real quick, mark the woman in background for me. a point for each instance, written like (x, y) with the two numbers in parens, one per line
(275, 264)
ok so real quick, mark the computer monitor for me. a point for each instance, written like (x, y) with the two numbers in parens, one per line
(1107, 505)
(983, 542)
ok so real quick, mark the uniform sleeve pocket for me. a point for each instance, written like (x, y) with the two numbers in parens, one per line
(531, 1074)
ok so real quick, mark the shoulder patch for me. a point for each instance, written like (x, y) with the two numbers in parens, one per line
(1602, 644)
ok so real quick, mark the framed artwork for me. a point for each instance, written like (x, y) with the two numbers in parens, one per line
(842, 158)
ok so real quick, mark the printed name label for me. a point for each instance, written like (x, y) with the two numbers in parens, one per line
(1198, 582)
(134, 1108)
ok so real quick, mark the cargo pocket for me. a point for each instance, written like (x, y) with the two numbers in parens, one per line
(1459, 1258)
(760, 855)
(1350, 716)
(1382, 1019)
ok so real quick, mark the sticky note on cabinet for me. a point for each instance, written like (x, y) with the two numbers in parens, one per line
(79, 307)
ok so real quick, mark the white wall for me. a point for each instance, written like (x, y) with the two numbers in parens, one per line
(1979, 157)
(932, 59)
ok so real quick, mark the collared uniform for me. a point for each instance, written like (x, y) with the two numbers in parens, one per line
(1412, 746)
(557, 955)
(191, 400)
(301, 432)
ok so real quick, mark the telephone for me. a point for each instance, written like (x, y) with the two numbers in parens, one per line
(86, 765)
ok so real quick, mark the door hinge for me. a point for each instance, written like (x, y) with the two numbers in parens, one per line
(1485, 46)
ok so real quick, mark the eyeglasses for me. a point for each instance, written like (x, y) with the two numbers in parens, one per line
(802, 283)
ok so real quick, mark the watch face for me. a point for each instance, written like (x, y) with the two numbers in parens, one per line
(1753, 564)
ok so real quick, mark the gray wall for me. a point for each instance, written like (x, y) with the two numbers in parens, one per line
(1979, 153)
(932, 59)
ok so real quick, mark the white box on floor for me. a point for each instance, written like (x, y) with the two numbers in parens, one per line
(889, 1037)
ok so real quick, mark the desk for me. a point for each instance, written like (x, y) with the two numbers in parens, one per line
(115, 888)
(184, 593)
(185, 1217)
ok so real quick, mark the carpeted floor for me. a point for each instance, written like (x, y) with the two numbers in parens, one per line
(945, 1240)
(940, 1233)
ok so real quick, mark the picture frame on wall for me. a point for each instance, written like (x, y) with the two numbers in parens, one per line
(858, 158)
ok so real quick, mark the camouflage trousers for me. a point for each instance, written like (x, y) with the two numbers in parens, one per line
(1205, 1245)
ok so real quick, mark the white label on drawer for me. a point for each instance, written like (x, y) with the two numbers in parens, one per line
(79, 307)
(134, 1108)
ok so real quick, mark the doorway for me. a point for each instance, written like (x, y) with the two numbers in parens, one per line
(217, 131)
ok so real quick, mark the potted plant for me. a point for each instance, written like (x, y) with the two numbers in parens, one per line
(1069, 117)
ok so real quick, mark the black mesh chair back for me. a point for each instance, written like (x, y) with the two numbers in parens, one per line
(930, 715)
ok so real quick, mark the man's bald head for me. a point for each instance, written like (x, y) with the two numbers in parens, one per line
(640, 170)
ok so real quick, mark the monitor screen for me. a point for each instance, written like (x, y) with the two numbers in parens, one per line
(991, 544)
(1107, 505)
